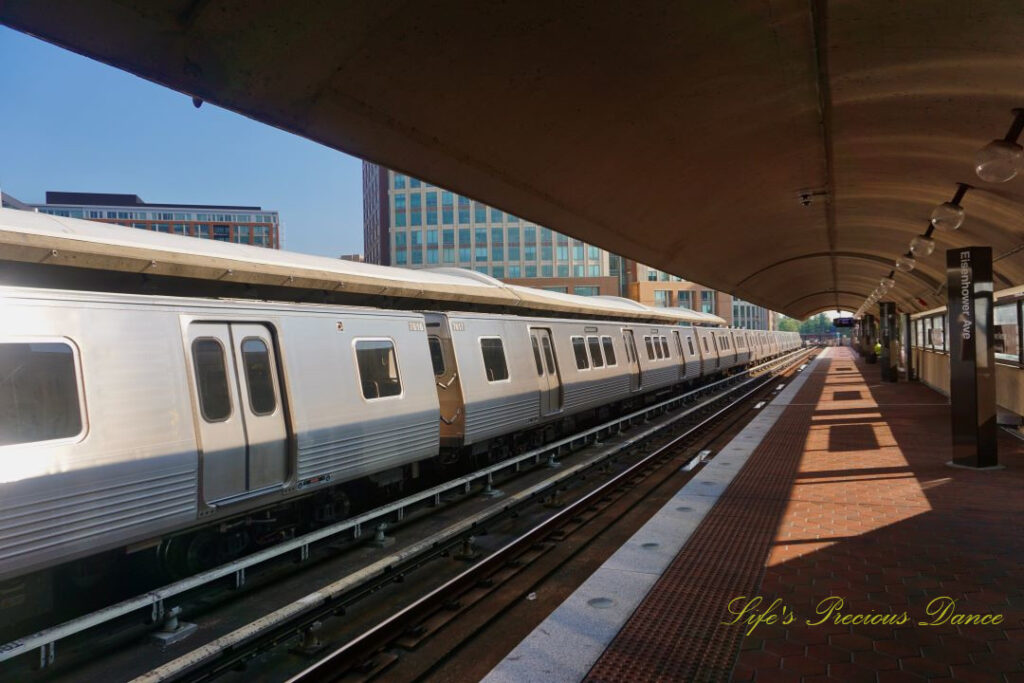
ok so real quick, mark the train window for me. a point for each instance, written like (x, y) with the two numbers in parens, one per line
(650, 348)
(378, 368)
(664, 347)
(594, 344)
(211, 379)
(579, 348)
(549, 356)
(629, 354)
(689, 345)
(609, 350)
(436, 355)
(1006, 332)
(536, 356)
(494, 359)
(38, 393)
(259, 376)
(707, 349)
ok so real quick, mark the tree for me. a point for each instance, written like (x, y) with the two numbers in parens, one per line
(788, 324)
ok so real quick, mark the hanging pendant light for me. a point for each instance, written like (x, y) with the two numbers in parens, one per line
(1001, 160)
(922, 246)
(905, 263)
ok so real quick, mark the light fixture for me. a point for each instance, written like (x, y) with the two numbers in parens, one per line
(1001, 160)
(950, 215)
(922, 246)
(888, 283)
(906, 263)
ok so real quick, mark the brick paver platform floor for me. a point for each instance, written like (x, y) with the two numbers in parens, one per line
(848, 498)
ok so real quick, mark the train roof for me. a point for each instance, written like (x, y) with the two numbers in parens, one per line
(46, 250)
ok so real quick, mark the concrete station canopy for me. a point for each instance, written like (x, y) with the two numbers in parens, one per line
(94, 252)
(680, 134)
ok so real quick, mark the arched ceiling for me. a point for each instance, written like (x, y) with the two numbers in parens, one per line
(679, 134)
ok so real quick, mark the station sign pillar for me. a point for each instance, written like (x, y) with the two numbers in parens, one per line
(972, 389)
(867, 340)
(887, 315)
(906, 343)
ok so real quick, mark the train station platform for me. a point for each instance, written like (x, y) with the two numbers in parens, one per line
(838, 490)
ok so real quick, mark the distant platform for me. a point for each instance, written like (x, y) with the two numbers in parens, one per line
(838, 490)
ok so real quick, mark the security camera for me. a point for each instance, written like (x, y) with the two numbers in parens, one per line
(805, 199)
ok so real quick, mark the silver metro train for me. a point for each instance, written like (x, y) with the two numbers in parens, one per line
(130, 422)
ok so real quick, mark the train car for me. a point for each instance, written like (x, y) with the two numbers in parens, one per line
(708, 352)
(689, 350)
(741, 339)
(726, 348)
(126, 418)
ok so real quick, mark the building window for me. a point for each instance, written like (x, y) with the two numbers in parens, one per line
(400, 210)
(448, 255)
(399, 181)
(577, 270)
(661, 298)
(593, 253)
(545, 253)
(563, 271)
(498, 272)
(513, 253)
(707, 301)
(414, 182)
(417, 256)
(497, 253)
(431, 208)
(463, 209)
(495, 367)
(479, 213)
(447, 208)
(577, 252)
(415, 209)
(401, 258)
(563, 253)
(531, 271)
(586, 290)
(378, 368)
(546, 271)
(530, 253)
(495, 215)
(242, 234)
(464, 255)
(514, 271)
(39, 398)
(594, 270)
(652, 275)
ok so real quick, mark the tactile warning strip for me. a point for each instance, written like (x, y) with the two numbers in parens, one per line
(677, 633)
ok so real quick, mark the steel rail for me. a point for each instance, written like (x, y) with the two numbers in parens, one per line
(153, 601)
(355, 652)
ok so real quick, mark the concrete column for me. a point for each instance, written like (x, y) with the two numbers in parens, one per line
(888, 360)
(971, 357)
(907, 345)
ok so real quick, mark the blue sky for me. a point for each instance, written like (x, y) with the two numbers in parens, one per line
(69, 123)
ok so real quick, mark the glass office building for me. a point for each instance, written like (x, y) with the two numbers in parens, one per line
(412, 224)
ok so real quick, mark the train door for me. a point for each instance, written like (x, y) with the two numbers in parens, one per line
(547, 371)
(242, 428)
(635, 375)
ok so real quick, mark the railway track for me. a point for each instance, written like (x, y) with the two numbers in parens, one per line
(295, 624)
(469, 608)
